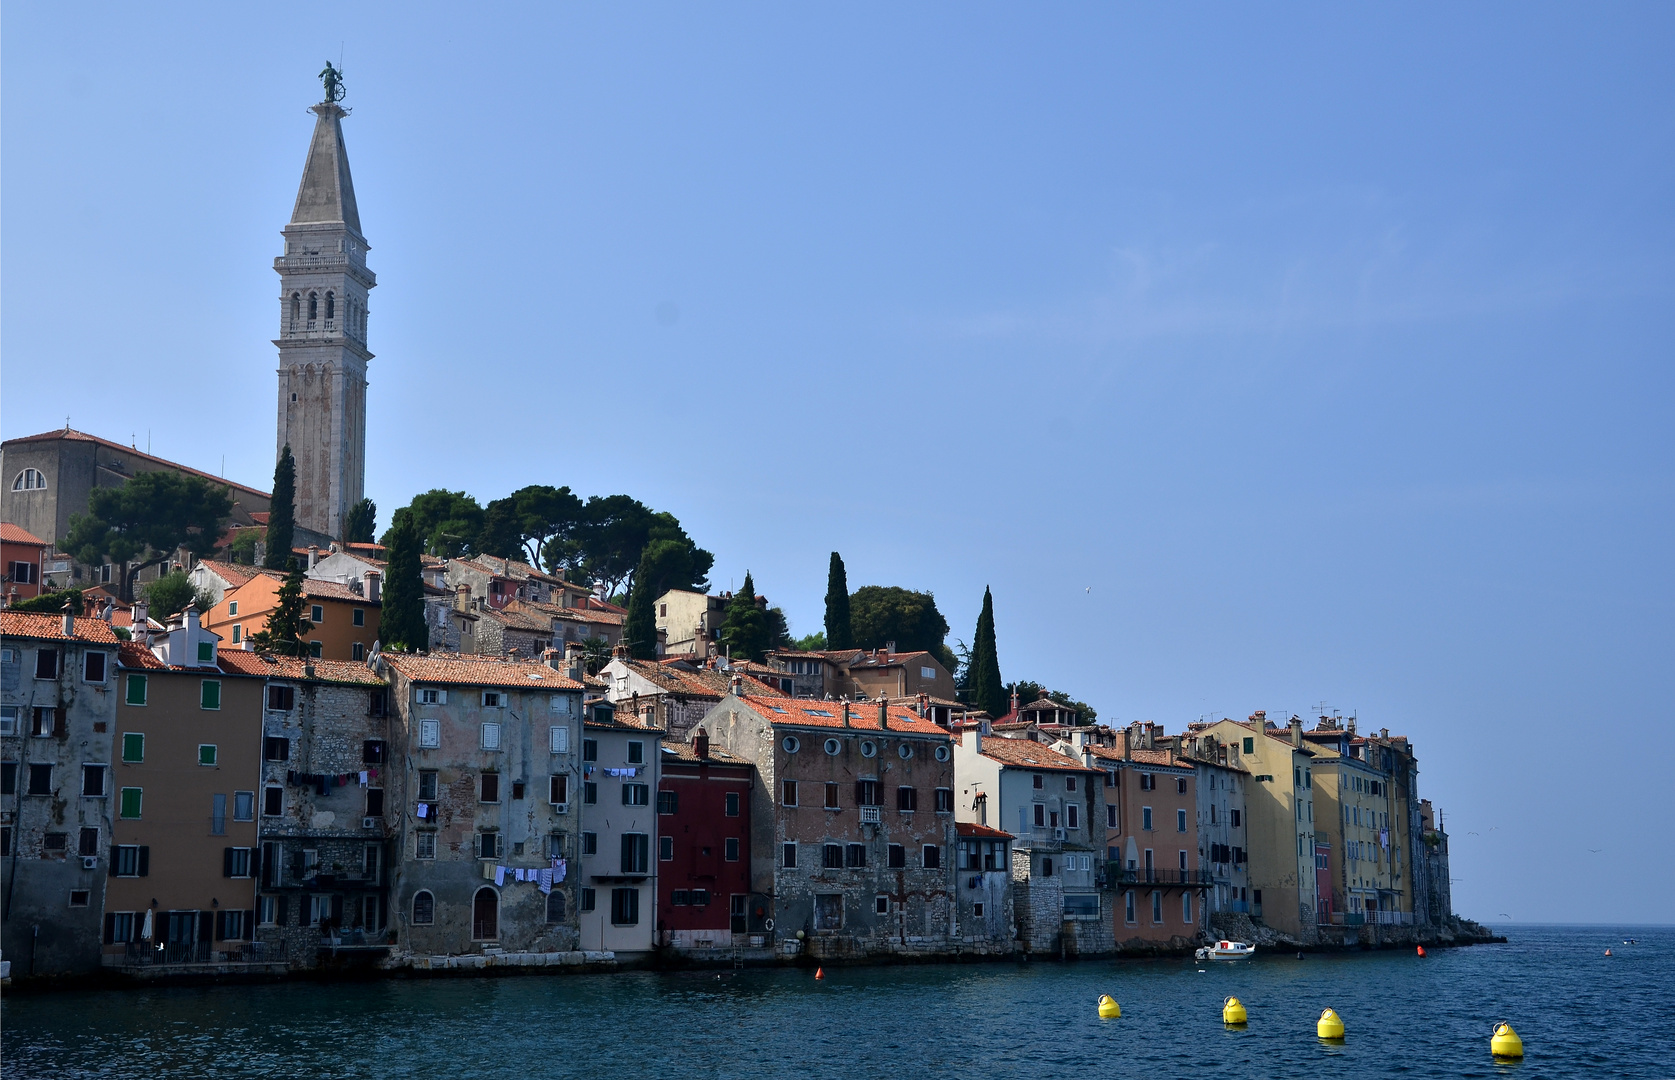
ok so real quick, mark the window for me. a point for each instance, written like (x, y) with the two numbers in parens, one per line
(896, 857)
(788, 855)
(730, 804)
(1148, 782)
(132, 798)
(280, 698)
(1046, 867)
(833, 746)
(1072, 816)
(5, 839)
(1180, 785)
(1233, 818)
(590, 749)
(206, 753)
(855, 856)
(625, 907)
(316, 614)
(585, 900)
(636, 752)
(8, 719)
(235, 862)
(46, 722)
(667, 801)
(273, 801)
(665, 849)
(1128, 907)
(374, 802)
(433, 697)
(490, 739)
(590, 792)
(119, 927)
(828, 911)
(136, 690)
(276, 748)
(944, 800)
(1180, 821)
(206, 652)
(40, 781)
(131, 860)
(636, 794)
(244, 806)
(46, 663)
(488, 787)
(590, 843)
(93, 667)
(358, 617)
(29, 480)
(1081, 905)
(424, 908)
(868, 793)
(493, 699)
(424, 845)
(315, 649)
(88, 842)
(1146, 818)
(831, 856)
(1157, 907)
(1070, 783)
(8, 778)
(357, 651)
(791, 744)
(559, 740)
(1040, 815)
(558, 788)
(92, 781)
(1250, 745)
(485, 915)
(555, 907)
(489, 845)
(1036, 781)
(907, 800)
(636, 853)
(209, 694)
(931, 857)
(730, 849)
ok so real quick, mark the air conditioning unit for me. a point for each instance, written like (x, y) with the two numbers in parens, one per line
(562, 808)
(369, 823)
(1058, 834)
(90, 862)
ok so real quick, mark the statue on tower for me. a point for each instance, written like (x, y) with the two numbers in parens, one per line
(333, 80)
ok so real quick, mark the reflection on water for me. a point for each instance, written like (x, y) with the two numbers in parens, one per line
(1405, 1017)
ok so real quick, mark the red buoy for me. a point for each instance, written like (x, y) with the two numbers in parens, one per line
(819, 973)
(1421, 950)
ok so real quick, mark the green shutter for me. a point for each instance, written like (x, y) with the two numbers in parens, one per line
(131, 797)
(136, 689)
(133, 745)
(211, 698)
(206, 754)
(206, 652)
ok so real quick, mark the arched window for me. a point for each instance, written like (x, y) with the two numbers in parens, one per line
(485, 915)
(29, 480)
(555, 907)
(331, 305)
(296, 306)
(313, 306)
(424, 908)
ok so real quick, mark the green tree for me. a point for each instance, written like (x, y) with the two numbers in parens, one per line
(362, 523)
(173, 592)
(524, 523)
(779, 629)
(880, 614)
(983, 676)
(664, 563)
(51, 602)
(840, 634)
(243, 548)
(287, 629)
(282, 511)
(815, 642)
(148, 519)
(449, 523)
(744, 629)
(596, 653)
(401, 623)
(607, 543)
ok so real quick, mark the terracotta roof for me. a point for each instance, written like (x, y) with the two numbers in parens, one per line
(131, 654)
(364, 549)
(829, 714)
(1028, 754)
(1149, 758)
(585, 615)
(293, 667)
(884, 660)
(909, 702)
(685, 751)
(44, 626)
(315, 589)
(81, 436)
(17, 534)
(464, 670)
(969, 828)
(234, 574)
(519, 620)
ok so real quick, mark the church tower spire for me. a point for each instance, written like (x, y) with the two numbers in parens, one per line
(324, 284)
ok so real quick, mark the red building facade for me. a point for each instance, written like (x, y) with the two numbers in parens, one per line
(703, 837)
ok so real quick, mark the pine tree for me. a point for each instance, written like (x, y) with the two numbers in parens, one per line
(745, 629)
(839, 633)
(282, 511)
(401, 624)
(987, 691)
(286, 626)
(361, 523)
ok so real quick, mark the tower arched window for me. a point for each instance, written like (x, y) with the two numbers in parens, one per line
(331, 305)
(29, 480)
(313, 306)
(296, 306)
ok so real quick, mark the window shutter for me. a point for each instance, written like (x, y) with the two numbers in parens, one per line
(256, 862)
(145, 860)
(110, 871)
(110, 928)
(250, 925)
(221, 925)
(226, 862)
(282, 913)
(206, 924)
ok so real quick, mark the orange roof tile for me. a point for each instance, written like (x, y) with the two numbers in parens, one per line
(1150, 758)
(969, 828)
(465, 670)
(1028, 754)
(131, 654)
(48, 627)
(17, 534)
(802, 713)
(293, 667)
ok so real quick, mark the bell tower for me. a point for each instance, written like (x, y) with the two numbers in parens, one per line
(324, 284)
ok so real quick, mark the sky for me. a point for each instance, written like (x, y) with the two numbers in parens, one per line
(1272, 358)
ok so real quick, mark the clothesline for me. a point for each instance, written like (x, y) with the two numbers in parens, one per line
(323, 783)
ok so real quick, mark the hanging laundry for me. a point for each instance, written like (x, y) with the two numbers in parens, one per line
(558, 869)
(544, 880)
(499, 875)
(424, 809)
(363, 778)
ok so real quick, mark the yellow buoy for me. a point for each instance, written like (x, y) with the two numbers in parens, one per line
(1108, 1007)
(1505, 1042)
(1330, 1025)
(1233, 1011)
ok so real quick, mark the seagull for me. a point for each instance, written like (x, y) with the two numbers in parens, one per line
(1088, 589)
(1596, 850)
(1505, 915)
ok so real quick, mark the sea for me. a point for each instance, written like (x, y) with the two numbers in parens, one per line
(1580, 1013)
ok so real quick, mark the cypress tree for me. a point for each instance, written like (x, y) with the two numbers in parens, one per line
(401, 624)
(839, 633)
(286, 626)
(987, 691)
(745, 629)
(639, 628)
(282, 511)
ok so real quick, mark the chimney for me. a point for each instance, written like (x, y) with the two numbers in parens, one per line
(889, 648)
(371, 583)
(1260, 716)
(553, 659)
(1384, 733)
(69, 619)
(735, 686)
(1296, 732)
(1351, 724)
(141, 620)
(701, 743)
(313, 555)
(845, 712)
(924, 703)
(1123, 737)
(1150, 737)
(462, 597)
(573, 664)
(883, 713)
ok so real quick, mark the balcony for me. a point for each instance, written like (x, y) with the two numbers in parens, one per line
(1118, 876)
(199, 954)
(1369, 918)
(871, 815)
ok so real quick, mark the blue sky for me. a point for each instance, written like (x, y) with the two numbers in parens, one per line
(1254, 358)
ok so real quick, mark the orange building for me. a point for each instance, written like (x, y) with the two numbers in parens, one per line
(21, 552)
(345, 620)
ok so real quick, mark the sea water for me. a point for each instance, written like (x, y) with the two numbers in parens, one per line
(1580, 1013)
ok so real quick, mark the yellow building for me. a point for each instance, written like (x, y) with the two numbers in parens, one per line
(1361, 787)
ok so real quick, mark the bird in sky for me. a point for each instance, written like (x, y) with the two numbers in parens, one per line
(1088, 589)
(1504, 914)
(1596, 850)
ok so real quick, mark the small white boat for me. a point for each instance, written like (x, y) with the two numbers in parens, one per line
(1225, 950)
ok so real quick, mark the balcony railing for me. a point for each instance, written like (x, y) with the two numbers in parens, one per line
(871, 815)
(148, 954)
(1366, 918)
(1117, 876)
